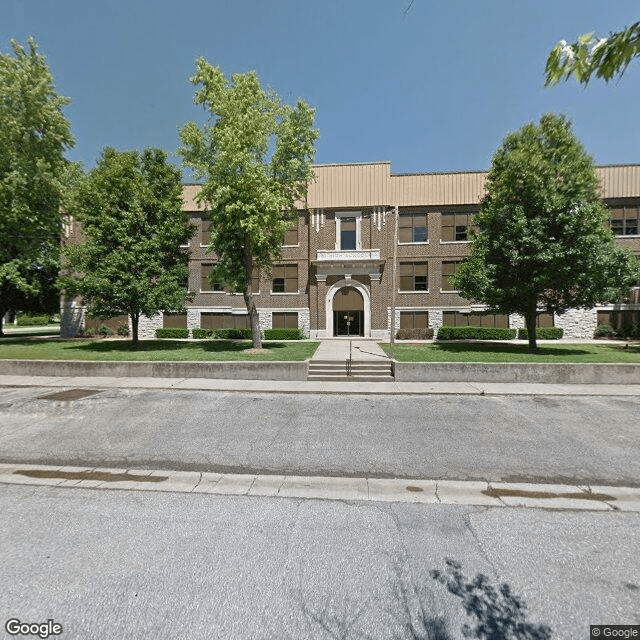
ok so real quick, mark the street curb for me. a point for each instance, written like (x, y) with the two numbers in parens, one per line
(428, 491)
(304, 387)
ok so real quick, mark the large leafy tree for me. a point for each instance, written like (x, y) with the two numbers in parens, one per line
(605, 58)
(34, 135)
(254, 154)
(542, 242)
(130, 261)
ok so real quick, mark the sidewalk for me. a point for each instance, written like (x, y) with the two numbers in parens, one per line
(486, 494)
(367, 388)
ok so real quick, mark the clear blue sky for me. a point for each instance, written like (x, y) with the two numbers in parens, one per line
(433, 89)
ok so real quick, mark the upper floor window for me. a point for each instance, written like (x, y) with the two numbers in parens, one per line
(205, 232)
(285, 278)
(456, 226)
(348, 225)
(624, 220)
(291, 236)
(449, 268)
(414, 276)
(412, 227)
(205, 282)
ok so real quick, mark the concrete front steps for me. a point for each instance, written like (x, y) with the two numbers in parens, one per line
(361, 371)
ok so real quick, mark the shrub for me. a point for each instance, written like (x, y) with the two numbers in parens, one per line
(123, 330)
(542, 333)
(87, 333)
(500, 614)
(284, 334)
(415, 334)
(475, 333)
(167, 332)
(604, 331)
(103, 330)
(232, 334)
(201, 334)
(628, 331)
(27, 320)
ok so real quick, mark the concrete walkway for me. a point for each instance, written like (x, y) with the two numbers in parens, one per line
(338, 349)
(304, 386)
(488, 494)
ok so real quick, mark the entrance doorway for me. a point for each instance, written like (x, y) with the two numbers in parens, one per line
(348, 312)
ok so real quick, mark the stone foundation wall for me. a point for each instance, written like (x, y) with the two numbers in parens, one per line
(71, 318)
(304, 318)
(147, 326)
(578, 323)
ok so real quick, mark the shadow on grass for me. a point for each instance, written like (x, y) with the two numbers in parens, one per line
(209, 346)
(475, 347)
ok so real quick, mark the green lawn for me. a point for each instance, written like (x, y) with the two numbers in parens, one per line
(40, 330)
(505, 352)
(163, 350)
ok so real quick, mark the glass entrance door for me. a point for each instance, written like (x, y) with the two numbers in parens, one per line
(348, 323)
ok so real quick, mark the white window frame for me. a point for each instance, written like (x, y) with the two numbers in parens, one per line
(349, 214)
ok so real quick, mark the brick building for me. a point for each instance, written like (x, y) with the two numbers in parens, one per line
(335, 275)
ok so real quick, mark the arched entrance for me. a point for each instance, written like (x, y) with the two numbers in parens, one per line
(348, 312)
(362, 304)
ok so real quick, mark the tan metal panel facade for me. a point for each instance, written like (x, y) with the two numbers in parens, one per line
(619, 181)
(372, 184)
(189, 192)
(349, 185)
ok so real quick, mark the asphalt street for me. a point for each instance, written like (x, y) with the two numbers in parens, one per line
(115, 564)
(570, 439)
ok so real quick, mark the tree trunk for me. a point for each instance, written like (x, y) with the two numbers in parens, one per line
(530, 320)
(2, 312)
(248, 298)
(135, 319)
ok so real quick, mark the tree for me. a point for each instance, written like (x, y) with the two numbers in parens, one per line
(34, 135)
(42, 294)
(255, 155)
(130, 261)
(542, 240)
(605, 57)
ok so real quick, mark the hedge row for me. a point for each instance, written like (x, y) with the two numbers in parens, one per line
(167, 332)
(626, 331)
(475, 333)
(543, 333)
(415, 334)
(230, 334)
(32, 321)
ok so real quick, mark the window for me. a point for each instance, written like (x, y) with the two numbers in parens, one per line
(284, 320)
(619, 318)
(544, 320)
(174, 320)
(449, 269)
(291, 236)
(205, 285)
(624, 220)
(285, 278)
(414, 319)
(456, 225)
(205, 233)
(255, 280)
(414, 276)
(412, 227)
(457, 319)
(222, 320)
(348, 234)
